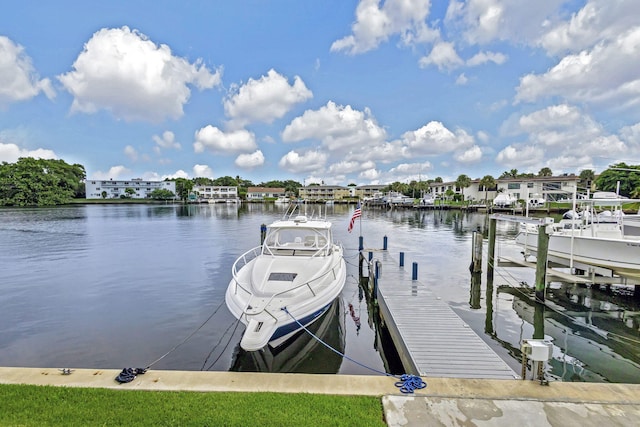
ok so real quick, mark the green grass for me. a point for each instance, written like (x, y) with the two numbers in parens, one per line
(28, 405)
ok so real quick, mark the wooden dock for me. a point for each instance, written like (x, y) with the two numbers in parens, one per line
(431, 339)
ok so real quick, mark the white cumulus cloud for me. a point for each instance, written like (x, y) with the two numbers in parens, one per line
(18, 79)
(213, 139)
(265, 99)
(443, 55)
(470, 155)
(122, 71)
(309, 161)
(597, 21)
(520, 156)
(10, 153)
(376, 23)
(167, 140)
(606, 74)
(202, 171)
(434, 139)
(249, 161)
(337, 127)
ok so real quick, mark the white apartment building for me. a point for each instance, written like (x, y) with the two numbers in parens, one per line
(540, 188)
(543, 189)
(215, 192)
(261, 193)
(113, 189)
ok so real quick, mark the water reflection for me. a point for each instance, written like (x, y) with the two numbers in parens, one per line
(303, 353)
(594, 339)
(475, 291)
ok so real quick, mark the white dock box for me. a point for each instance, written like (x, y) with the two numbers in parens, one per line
(537, 350)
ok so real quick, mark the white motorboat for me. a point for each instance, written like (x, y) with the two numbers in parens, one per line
(591, 240)
(394, 198)
(282, 200)
(298, 268)
(504, 200)
(427, 199)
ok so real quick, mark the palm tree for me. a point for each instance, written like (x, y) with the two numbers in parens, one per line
(487, 182)
(513, 173)
(463, 182)
(545, 172)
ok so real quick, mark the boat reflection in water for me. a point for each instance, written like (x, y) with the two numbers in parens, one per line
(302, 353)
(596, 334)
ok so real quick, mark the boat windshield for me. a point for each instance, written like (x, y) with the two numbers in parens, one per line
(296, 241)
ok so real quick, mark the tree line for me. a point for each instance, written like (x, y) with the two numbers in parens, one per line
(46, 182)
(40, 182)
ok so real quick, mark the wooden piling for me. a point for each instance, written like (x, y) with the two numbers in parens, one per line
(263, 233)
(476, 256)
(541, 262)
(492, 248)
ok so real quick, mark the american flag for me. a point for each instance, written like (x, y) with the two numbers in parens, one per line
(356, 214)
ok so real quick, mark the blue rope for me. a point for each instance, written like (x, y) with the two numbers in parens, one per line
(407, 384)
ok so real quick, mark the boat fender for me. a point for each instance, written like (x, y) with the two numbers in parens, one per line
(129, 374)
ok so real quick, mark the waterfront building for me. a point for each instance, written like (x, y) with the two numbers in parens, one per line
(541, 189)
(114, 189)
(315, 193)
(368, 191)
(257, 194)
(214, 193)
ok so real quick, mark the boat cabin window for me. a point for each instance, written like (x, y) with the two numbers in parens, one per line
(304, 241)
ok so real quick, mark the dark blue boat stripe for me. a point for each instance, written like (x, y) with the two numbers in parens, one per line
(293, 326)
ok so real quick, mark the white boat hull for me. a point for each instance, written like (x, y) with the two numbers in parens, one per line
(621, 256)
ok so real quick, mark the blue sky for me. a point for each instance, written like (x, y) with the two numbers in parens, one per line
(338, 91)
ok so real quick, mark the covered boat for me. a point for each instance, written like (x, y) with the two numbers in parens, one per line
(293, 277)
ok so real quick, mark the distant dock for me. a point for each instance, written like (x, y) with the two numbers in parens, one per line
(431, 339)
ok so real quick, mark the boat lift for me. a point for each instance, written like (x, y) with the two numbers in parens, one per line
(544, 267)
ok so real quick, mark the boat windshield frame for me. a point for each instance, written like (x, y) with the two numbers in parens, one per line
(297, 241)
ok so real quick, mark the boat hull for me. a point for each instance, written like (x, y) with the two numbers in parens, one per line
(621, 256)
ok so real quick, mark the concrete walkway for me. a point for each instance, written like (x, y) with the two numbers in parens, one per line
(445, 401)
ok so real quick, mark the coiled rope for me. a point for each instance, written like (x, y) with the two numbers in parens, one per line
(407, 384)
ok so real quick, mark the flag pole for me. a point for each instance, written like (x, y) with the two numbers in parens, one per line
(360, 219)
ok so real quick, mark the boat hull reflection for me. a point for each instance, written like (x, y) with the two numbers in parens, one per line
(302, 353)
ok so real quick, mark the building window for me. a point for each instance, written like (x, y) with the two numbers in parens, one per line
(513, 186)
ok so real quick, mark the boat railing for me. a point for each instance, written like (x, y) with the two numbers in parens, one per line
(245, 259)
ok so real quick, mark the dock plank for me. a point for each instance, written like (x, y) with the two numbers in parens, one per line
(431, 338)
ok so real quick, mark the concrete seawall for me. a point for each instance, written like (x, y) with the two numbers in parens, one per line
(445, 401)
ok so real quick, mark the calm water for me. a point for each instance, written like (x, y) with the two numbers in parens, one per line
(112, 286)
